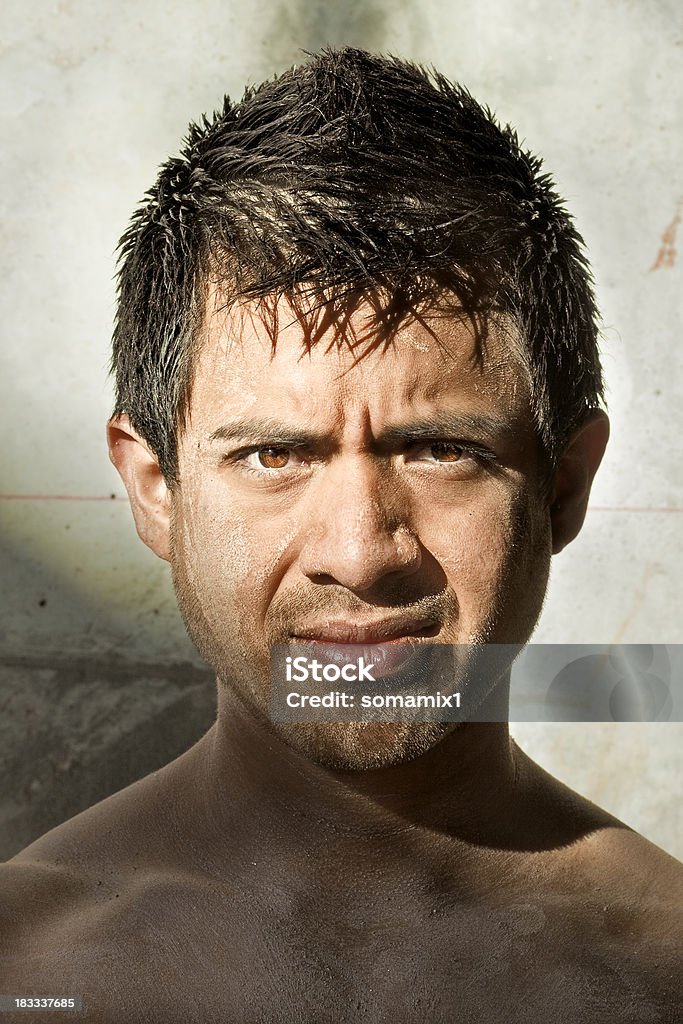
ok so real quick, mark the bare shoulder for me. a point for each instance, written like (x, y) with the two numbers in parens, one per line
(627, 869)
(56, 881)
(606, 891)
(70, 929)
(647, 863)
(131, 825)
(620, 897)
(100, 833)
(594, 851)
(33, 894)
(71, 903)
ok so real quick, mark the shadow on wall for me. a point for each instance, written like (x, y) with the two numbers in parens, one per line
(90, 698)
(73, 733)
(80, 718)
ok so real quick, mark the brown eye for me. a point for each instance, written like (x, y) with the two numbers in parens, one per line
(273, 458)
(446, 452)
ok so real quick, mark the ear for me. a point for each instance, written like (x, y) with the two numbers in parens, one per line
(148, 493)
(574, 477)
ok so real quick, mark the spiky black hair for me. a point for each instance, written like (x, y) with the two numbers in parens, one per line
(353, 174)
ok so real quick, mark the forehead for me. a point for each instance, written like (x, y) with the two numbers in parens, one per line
(333, 364)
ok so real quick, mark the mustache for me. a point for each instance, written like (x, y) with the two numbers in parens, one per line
(291, 610)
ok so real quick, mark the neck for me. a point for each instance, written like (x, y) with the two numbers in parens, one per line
(244, 776)
(465, 816)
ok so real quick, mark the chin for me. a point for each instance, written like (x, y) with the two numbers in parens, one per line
(363, 746)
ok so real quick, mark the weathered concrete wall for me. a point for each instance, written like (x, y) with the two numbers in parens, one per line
(95, 96)
(72, 732)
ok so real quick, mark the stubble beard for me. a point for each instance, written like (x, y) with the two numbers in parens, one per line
(343, 746)
(363, 746)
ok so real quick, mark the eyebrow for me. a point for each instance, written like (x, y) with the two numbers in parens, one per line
(482, 425)
(271, 431)
(267, 430)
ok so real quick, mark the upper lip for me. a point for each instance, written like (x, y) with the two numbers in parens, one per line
(367, 633)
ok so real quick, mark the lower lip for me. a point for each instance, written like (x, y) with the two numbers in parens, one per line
(386, 657)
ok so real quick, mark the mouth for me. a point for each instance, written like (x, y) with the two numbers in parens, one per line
(387, 647)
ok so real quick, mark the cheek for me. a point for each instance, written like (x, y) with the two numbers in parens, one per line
(212, 554)
(487, 549)
(472, 542)
(232, 560)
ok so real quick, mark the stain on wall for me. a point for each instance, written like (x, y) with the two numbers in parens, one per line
(666, 255)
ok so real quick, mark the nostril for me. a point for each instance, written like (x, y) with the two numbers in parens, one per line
(323, 579)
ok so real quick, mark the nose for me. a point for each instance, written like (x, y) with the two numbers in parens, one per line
(356, 530)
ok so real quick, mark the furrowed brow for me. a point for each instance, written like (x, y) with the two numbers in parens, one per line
(266, 431)
(480, 427)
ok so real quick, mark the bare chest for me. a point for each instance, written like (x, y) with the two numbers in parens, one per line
(164, 954)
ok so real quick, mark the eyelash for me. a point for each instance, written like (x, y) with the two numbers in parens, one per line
(481, 455)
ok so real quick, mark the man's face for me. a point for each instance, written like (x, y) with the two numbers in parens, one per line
(399, 496)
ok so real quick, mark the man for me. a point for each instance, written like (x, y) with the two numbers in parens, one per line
(358, 403)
